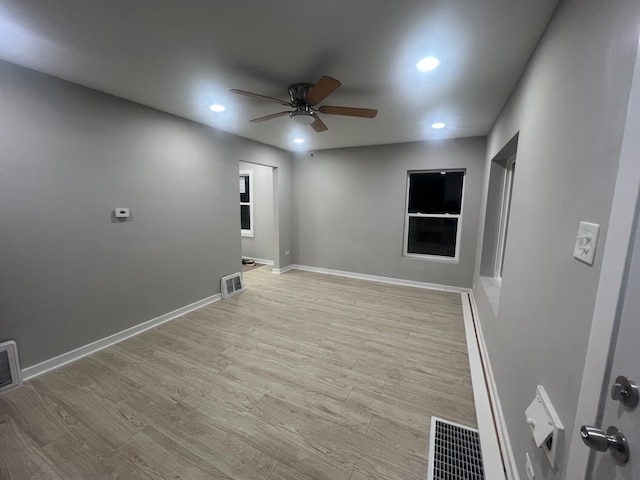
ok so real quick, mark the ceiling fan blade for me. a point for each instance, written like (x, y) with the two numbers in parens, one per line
(349, 111)
(269, 117)
(321, 90)
(262, 97)
(319, 125)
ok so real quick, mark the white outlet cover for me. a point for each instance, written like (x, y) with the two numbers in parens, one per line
(586, 242)
(531, 475)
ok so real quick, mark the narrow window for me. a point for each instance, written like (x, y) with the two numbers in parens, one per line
(505, 211)
(246, 203)
(433, 214)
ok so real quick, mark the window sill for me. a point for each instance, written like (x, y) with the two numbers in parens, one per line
(432, 258)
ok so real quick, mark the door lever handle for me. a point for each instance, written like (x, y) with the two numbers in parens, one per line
(614, 441)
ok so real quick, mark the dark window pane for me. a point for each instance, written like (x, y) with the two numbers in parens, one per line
(245, 218)
(244, 197)
(432, 236)
(435, 192)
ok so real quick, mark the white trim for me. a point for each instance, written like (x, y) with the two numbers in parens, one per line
(493, 397)
(505, 210)
(78, 353)
(259, 260)
(248, 232)
(491, 456)
(374, 278)
(431, 258)
(280, 271)
(458, 217)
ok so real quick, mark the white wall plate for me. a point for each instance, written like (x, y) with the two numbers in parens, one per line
(586, 242)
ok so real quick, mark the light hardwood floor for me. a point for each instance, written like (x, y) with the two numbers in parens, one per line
(301, 377)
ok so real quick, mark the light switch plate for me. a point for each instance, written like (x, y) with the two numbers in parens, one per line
(586, 242)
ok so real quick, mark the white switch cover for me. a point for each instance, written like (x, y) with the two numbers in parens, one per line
(586, 242)
(529, 468)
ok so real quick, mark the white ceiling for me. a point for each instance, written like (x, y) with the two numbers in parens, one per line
(180, 56)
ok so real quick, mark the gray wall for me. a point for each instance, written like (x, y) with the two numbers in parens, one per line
(70, 273)
(349, 208)
(569, 108)
(261, 244)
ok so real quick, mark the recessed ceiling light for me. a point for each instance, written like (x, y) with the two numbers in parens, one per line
(438, 125)
(216, 108)
(298, 140)
(427, 64)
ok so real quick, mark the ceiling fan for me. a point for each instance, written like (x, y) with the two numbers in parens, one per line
(304, 98)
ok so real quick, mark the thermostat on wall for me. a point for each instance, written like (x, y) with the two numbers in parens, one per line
(122, 213)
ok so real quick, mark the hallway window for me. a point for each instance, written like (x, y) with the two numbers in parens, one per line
(505, 211)
(434, 214)
(246, 203)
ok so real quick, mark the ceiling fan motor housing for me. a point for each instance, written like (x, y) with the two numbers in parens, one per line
(298, 93)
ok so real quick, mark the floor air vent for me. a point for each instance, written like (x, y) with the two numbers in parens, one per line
(231, 285)
(9, 367)
(454, 452)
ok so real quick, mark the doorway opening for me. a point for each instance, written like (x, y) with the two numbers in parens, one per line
(258, 215)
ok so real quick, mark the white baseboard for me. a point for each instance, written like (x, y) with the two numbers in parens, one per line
(495, 408)
(374, 278)
(60, 360)
(280, 271)
(259, 260)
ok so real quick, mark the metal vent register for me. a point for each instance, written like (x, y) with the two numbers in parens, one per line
(9, 367)
(5, 370)
(454, 452)
(231, 285)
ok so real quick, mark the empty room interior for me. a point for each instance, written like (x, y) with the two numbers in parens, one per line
(316, 240)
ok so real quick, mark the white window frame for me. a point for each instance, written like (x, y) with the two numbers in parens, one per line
(505, 212)
(248, 232)
(437, 258)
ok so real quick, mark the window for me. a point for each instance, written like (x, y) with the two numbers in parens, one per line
(505, 211)
(433, 214)
(246, 203)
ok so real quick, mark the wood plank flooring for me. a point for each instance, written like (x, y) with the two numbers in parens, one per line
(301, 377)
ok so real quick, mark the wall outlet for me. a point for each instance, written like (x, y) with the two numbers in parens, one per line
(286, 252)
(529, 468)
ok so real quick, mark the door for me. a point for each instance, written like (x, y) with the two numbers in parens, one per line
(614, 348)
(625, 362)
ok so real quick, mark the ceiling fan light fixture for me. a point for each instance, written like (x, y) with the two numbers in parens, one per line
(427, 64)
(303, 118)
(216, 108)
(438, 125)
(298, 140)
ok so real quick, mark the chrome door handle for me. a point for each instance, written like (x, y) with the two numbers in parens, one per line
(614, 441)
